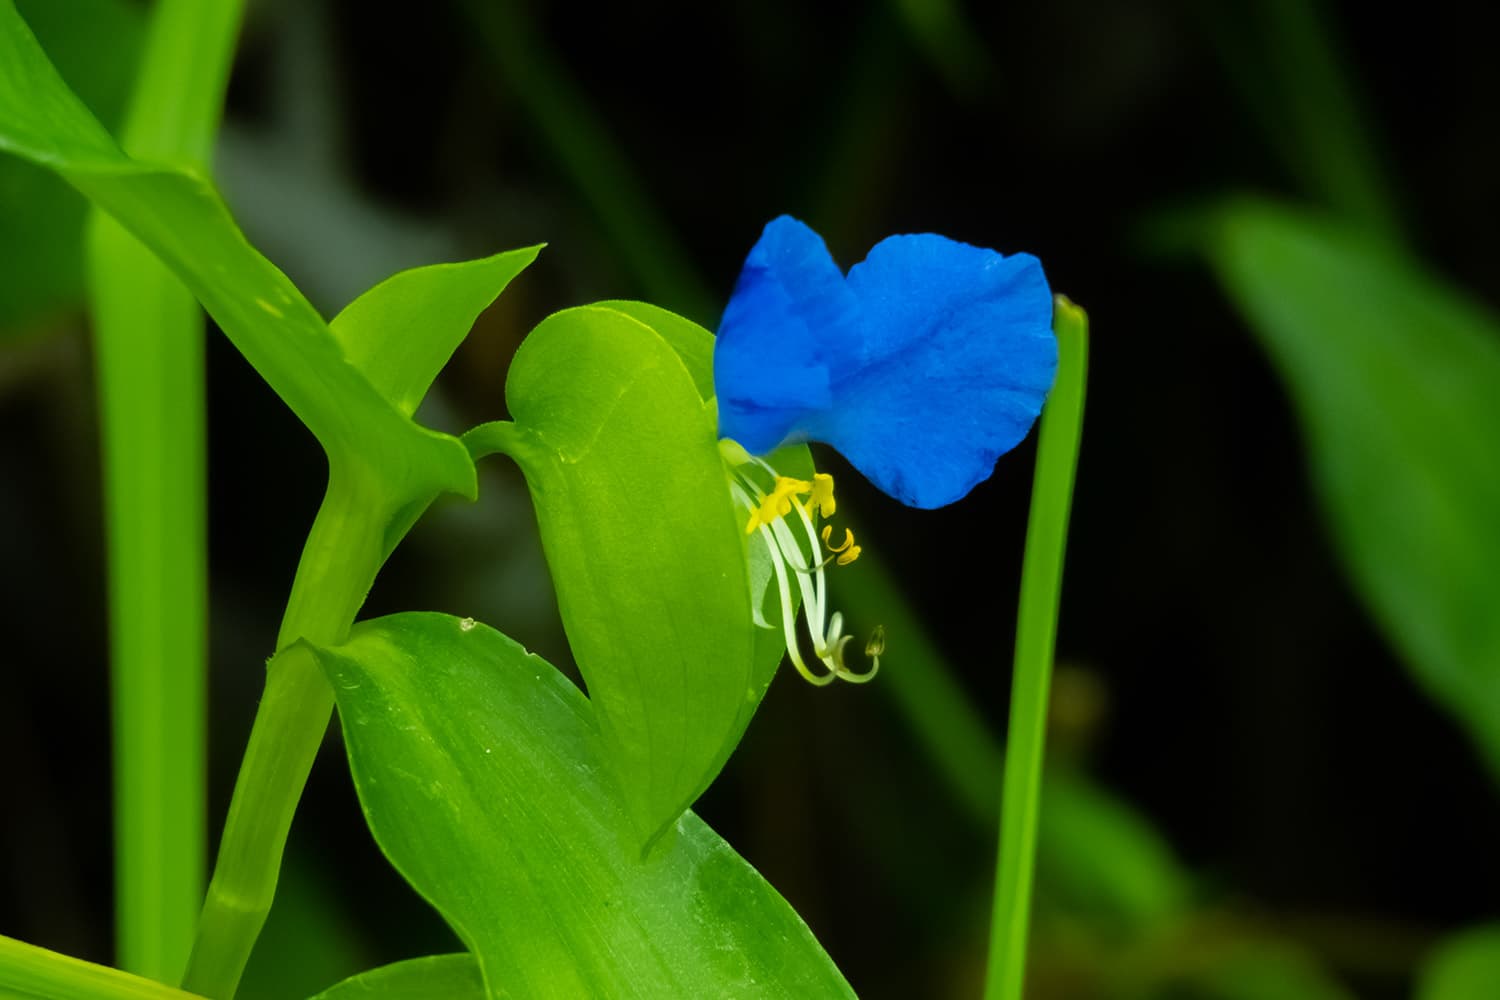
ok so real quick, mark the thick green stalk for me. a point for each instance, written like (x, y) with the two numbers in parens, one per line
(1036, 634)
(343, 553)
(149, 347)
(31, 973)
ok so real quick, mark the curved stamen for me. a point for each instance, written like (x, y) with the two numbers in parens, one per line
(769, 513)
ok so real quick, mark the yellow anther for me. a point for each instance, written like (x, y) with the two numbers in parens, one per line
(822, 494)
(846, 550)
(777, 503)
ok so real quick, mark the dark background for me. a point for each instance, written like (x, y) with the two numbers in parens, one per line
(1224, 677)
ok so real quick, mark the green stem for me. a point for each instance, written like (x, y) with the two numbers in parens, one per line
(149, 336)
(31, 973)
(343, 553)
(1036, 634)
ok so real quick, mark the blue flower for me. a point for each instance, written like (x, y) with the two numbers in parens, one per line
(922, 366)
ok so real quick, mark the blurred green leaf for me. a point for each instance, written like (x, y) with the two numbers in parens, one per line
(621, 455)
(478, 768)
(1396, 379)
(1466, 966)
(949, 41)
(149, 361)
(1100, 857)
(1267, 971)
(95, 44)
(1289, 64)
(435, 977)
(579, 140)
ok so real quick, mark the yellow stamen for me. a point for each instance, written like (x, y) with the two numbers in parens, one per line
(822, 494)
(848, 539)
(846, 550)
(777, 503)
(796, 565)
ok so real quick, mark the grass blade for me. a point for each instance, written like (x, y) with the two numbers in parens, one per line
(1036, 634)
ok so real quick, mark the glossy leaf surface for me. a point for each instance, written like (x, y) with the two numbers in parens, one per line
(478, 768)
(1396, 379)
(647, 553)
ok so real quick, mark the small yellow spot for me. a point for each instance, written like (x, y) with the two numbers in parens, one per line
(268, 307)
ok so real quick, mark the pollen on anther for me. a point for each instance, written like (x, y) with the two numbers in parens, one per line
(822, 494)
(777, 503)
(846, 550)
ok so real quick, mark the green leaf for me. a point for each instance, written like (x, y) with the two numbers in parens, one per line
(695, 347)
(1266, 970)
(693, 344)
(1396, 378)
(1101, 857)
(435, 977)
(1464, 967)
(478, 768)
(180, 217)
(646, 550)
(400, 333)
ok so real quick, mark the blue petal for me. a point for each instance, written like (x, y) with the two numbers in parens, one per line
(926, 364)
(956, 359)
(790, 320)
